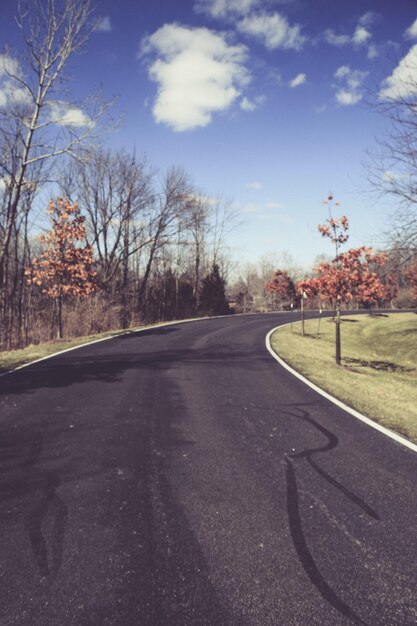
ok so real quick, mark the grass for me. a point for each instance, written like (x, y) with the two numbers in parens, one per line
(15, 358)
(378, 374)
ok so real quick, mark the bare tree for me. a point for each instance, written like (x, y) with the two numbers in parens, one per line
(170, 204)
(392, 166)
(37, 121)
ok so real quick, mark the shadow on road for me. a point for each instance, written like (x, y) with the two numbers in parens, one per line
(67, 370)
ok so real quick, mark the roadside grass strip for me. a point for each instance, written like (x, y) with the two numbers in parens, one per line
(378, 374)
(13, 360)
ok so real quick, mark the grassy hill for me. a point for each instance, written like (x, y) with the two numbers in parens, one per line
(378, 375)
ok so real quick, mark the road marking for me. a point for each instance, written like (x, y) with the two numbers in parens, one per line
(386, 431)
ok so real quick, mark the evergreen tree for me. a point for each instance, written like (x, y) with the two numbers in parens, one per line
(212, 297)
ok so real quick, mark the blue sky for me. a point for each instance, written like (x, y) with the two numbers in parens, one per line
(265, 102)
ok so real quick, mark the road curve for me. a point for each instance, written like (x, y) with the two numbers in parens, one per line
(180, 476)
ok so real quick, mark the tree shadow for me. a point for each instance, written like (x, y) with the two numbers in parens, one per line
(163, 330)
(294, 463)
(72, 368)
(380, 366)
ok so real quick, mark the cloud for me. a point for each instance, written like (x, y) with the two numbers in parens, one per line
(104, 24)
(297, 81)
(351, 91)
(11, 90)
(64, 114)
(274, 205)
(14, 93)
(225, 8)
(254, 185)
(403, 82)
(198, 74)
(373, 51)
(368, 18)
(273, 30)
(9, 66)
(250, 208)
(336, 40)
(251, 105)
(411, 32)
(346, 98)
(361, 36)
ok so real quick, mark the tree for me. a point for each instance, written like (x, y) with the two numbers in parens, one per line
(411, 275)
(37, 120)
(349, 276)
(64, 268)
(114, 189)
(213, 298)
(336, 231)
(281, 286)
(392, 166)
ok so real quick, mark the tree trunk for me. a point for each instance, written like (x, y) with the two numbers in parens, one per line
(338, 341)
(59, 316)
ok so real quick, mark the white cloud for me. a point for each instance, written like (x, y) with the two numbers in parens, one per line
(336, 40)
(198, 73)
(352, 80)
(411, 32)
(361, 36)
(224, 8)
(346, 98)
(251, 105)
(11, 90)
(389, 177)
(273, 30)
(274, 205)
(64, 114)
(297, 81)
(254, 185)
(104, 24)
(250, 208)
(9, 65)
(373, 51)
(368, 18)
(403, 82)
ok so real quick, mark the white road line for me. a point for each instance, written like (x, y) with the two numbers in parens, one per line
(386, 431)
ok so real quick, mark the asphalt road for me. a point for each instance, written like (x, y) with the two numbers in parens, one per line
(180, 476)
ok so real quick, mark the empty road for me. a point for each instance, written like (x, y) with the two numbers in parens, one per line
(180, 476)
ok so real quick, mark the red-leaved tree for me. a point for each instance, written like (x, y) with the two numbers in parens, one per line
(411, 276)
(64, 267)
(349, 276)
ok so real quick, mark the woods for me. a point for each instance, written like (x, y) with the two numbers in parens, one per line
(137, 241)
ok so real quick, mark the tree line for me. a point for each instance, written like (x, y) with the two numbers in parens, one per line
(157, 242)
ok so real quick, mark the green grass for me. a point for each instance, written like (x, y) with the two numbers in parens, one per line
(378, 374)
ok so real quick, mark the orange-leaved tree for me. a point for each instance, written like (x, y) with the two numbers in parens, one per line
(349, 276)
(65, 265)
(411, 275)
